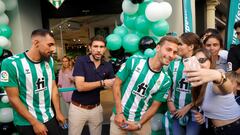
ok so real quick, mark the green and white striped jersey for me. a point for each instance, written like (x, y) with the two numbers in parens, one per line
(140, 86)
(181, 90)
(34, 82)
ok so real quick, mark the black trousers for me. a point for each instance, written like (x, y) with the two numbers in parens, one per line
(52, 126)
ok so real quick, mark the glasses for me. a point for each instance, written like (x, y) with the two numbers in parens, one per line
(238, 33)
(202, 60)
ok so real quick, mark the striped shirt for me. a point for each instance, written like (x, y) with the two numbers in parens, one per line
(34, 82)
(140, 86)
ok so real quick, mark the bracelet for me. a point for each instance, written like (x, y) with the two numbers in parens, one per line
(101, 83)
(222, 81)
(169, 100)
(119, 113)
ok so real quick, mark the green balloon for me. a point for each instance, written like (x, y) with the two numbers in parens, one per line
(120, 30)
(130, 43)
(142, 8)
(142, 24)
(160, 28)
(149, 53)
(129, 21)
(5, 31)
(114, 42)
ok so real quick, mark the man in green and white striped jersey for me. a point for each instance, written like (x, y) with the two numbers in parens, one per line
(140, 87)
(29, 81)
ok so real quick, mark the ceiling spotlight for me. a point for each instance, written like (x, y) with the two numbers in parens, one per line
(74, 40)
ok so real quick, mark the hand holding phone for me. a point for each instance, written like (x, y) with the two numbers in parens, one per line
(191, 63)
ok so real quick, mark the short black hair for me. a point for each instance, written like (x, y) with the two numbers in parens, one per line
(41, 32)
(237, 24)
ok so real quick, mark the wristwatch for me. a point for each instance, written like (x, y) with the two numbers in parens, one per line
(139, 125)
(222, 81)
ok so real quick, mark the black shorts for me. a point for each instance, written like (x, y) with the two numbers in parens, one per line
(52, 126)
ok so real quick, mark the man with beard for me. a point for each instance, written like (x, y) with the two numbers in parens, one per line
(29, 81)
(91, 74)
(141, 85)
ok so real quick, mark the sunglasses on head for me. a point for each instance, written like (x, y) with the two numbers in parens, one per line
(238, 33)
(202, 60)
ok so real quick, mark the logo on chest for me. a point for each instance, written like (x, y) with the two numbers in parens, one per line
(41, 85)
(141, 90)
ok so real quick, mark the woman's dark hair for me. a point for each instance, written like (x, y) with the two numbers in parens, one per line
(218, 37)
(199, 91)
(191, 38)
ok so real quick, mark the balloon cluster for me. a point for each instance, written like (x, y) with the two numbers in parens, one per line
(139, 18)
(6, 112)
(5, 30)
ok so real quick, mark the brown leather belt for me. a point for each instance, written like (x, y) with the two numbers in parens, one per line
(88, 107)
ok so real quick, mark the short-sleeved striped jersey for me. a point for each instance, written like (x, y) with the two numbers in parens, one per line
(34, 82)
(181, 90)
(140, 87)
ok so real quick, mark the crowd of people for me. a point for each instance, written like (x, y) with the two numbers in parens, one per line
(191, 100)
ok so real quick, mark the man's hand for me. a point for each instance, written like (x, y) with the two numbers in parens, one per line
(132, 126)
(182, 112)
(119, 119)
(60, 118)
(109, 83)
(39, 128)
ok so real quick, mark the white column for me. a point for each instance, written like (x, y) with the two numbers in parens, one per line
(211, 8)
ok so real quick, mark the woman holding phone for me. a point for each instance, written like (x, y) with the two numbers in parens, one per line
(180, 97)
(213, 91)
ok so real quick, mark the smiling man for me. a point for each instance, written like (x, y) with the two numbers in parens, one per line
(91, 74)
(140, 87)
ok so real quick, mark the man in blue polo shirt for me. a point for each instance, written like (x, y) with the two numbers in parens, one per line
(91, 74)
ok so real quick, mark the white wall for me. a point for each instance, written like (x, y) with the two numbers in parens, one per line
(175, 21)
(23, 20)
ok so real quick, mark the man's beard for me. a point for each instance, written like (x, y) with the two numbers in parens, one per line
(45, 58)
(97, 59)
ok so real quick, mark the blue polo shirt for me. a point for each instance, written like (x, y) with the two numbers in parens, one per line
(85, 67)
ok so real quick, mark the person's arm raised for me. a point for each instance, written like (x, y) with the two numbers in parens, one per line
(222, 85)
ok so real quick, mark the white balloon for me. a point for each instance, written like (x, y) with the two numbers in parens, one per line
(4, 19)
(156, 122)
(10, 4)
(6, 115)
(129, 8)
(156, 11)
(4, 42)
(159, 1)
(122, 17)
(8, 46)
(5, 99)
(167, 10)
(2, 7)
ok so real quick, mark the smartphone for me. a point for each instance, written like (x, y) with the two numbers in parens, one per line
(191, 63)
(124, 126)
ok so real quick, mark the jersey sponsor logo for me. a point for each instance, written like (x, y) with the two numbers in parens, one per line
(138, 69)
(141, 90)
(40, 85)
(183, 86)
(27, 71)
(4, 76)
